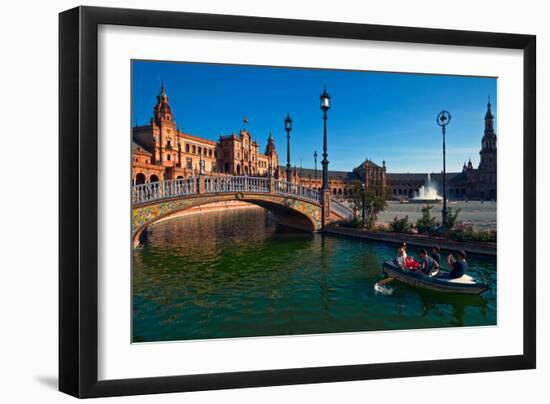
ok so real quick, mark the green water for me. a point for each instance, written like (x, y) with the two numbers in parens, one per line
(235, 273)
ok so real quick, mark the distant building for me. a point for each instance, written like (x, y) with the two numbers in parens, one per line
(340, 182)
(162, 152)
(239, 155)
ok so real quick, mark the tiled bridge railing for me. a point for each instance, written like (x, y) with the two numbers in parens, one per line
(190, 186)
(155, 191)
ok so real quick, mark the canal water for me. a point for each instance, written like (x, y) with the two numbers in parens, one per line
(235, 273)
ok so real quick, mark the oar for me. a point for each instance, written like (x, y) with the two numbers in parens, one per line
(386, 280)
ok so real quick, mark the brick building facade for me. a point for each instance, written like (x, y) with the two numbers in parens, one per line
(162, 152)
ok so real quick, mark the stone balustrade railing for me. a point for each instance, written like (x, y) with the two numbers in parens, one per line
(165, 189)
(236, 184)
(290, 189)
(226, 184)
(340, 209)
(209, 184)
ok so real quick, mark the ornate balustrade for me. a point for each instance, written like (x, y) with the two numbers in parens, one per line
(211, 185)
(194, 185)
(290, 189)
(164, 189)
(340, 209)
(236, 184)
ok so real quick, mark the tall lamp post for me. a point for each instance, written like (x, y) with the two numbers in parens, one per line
(443, 119)
(315, 159)
(325, 211)
(288, 128)
(325, 106)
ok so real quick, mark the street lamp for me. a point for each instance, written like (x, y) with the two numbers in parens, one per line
(288, 128)
(325, 106)
(443, 119)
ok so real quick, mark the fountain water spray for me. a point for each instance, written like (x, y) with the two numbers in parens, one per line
(428, 191)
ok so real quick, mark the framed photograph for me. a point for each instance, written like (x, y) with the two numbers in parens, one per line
(251, 201)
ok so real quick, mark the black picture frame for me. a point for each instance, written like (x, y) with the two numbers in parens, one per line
(78, 201)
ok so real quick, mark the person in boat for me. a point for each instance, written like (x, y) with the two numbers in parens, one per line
(428, 265)
(436, 254)
(404, 261)
(401, 257)
(458, 265)
(403, 247)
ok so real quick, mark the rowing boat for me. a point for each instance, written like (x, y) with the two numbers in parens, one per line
(465, 284)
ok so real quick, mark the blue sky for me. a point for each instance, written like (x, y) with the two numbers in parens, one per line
(382, 116)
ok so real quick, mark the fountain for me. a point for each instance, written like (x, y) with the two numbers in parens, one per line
(427, 192)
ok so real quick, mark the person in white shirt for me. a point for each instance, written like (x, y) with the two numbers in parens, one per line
(401, 256)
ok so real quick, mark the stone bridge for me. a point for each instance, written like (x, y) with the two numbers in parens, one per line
(292, 204)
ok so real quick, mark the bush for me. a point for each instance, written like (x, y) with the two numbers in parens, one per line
(452, 218)
(353, 223)
(427, 224)
(380, 227)
(468, 233)
(400, 225)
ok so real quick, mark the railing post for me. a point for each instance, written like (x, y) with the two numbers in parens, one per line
(272, 185)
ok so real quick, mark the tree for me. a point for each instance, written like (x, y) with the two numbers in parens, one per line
(367, 202)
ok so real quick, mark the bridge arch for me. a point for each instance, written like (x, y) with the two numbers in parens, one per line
(292, 204)
(286, 210)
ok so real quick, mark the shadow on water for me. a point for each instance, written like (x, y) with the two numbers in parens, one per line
(458, 304)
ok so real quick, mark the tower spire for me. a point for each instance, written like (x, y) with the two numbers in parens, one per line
(489, 129)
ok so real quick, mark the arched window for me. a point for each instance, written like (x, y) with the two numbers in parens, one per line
(187, 148)
(153, 178)
(140, 178)
(238, 169)
(200, 151)
(194, 149)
